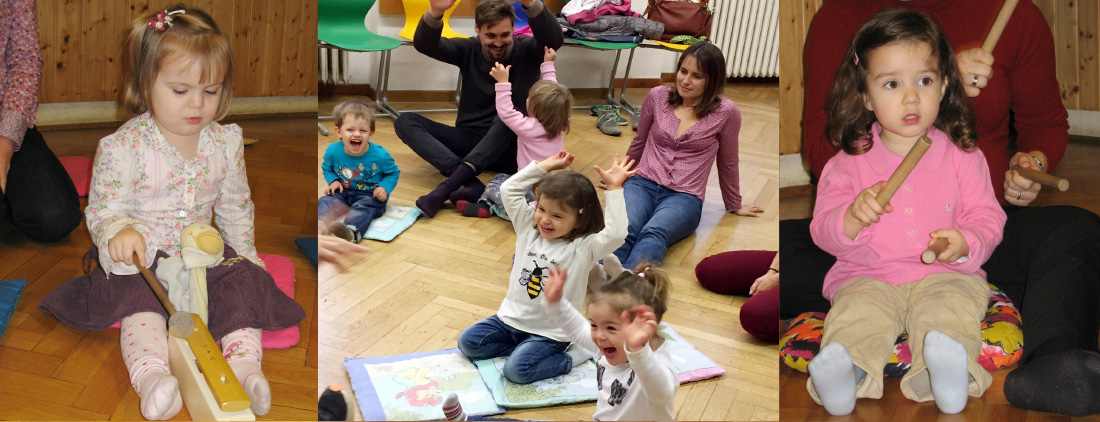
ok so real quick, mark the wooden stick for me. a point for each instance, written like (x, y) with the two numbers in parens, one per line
(999, 25)
(930, 254)
(906, 166)
(1042, 178)
(179, 323)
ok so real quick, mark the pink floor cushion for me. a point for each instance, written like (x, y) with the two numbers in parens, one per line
(80, 170)
(282, 270)
(1002, 339)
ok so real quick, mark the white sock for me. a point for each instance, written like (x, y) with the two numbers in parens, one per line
(452, 408)
(243, 352)
(947, 371)
(578, 354)
(834, 378)
(144, 341)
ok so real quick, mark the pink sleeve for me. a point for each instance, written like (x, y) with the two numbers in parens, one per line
(728, 176)
(548, 72)
(836, 190)
(24, 73)
(982, 219)
(524, 127)
(645, 122)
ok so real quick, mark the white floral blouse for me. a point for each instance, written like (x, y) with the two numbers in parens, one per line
(141, 180)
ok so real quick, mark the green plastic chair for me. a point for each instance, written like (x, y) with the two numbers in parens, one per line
(340, 25)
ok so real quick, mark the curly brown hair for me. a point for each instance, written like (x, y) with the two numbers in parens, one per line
(849, 122)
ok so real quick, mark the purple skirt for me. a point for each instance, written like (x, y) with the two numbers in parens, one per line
(241, 295)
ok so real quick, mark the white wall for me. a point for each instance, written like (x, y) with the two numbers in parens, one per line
(577, 67)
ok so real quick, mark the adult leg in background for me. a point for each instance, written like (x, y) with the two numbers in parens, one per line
(1049, 265)
(801, 284)
(438, 144)
(675, 216)
(40, 199)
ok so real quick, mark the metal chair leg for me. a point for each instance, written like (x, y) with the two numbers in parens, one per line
(634, 111)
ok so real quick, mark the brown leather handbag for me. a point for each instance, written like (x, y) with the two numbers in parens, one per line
(680, 17)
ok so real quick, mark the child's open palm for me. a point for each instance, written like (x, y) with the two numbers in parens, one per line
(639, 331)
(500, 73)
(553, 284)
(616, 175)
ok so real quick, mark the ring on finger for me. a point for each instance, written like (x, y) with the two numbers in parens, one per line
(1019, 195)
(974, 82)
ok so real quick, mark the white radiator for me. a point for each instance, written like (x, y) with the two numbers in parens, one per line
(747, 31)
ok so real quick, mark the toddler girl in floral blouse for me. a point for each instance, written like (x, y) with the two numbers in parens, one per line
(171, 166)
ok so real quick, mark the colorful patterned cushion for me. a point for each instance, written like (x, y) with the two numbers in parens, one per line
(1002, 339)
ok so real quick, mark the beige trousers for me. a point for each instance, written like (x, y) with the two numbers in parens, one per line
(868, 315)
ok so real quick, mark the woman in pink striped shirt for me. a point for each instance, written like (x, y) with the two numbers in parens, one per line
(681, 132)
(37, 197)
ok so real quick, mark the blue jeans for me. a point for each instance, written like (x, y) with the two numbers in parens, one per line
(364, 207)
(658, 217)
(530, 357)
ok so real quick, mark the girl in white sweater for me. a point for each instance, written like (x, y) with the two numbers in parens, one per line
(634, 372)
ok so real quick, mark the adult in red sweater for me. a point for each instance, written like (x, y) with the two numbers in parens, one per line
(1049, 260)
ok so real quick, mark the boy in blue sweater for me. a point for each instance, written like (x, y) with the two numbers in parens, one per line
(360, 174)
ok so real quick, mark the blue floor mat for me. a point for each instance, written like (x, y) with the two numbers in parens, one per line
(9, 297)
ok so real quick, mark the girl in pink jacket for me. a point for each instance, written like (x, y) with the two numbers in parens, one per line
(899, 82)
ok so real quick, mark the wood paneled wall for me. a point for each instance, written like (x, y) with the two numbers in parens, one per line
(274, 45)
(1075, 26)
(794, 22)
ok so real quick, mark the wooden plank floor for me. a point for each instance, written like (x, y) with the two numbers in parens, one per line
(1079, 167)
(418, 292)
(49, 371)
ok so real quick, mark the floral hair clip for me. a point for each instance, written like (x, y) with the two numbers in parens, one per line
(855, 61)
(163, 20)
(642, 274)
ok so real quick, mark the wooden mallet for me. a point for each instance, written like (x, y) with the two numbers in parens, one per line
(180, 324)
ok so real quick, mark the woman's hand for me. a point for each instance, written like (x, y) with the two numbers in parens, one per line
(1019, 190)
(639, 331)
(556, 162)
(553, 284)
(334, 187)
(616, 175)
(125, 244)
(500, 73)
(7, 149)
(956, 245)
(332, 250)
(975, 70)
(768, 281)
(750, 211)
